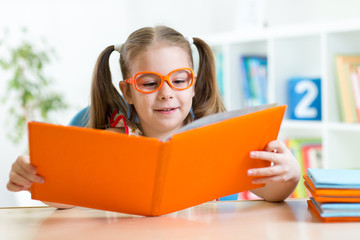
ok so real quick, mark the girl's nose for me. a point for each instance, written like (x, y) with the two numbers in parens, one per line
(166, 92)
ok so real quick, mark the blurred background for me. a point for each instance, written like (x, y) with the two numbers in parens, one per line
(74, 33)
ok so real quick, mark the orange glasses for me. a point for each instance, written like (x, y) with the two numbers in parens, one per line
(148, 82)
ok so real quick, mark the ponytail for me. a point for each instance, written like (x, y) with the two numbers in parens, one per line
(105, 99)
(207, 99)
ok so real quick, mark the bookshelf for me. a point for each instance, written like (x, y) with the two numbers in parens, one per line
(304, 51)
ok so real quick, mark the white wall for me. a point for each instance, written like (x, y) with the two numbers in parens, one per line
(80, 30)
(281, 12)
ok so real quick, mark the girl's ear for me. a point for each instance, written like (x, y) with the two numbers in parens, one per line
(125, 90)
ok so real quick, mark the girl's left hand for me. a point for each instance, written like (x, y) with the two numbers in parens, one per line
(284, 167)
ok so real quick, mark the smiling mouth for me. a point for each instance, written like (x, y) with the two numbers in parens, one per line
(166, 110)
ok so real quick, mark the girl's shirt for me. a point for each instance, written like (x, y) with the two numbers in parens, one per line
(117, 120)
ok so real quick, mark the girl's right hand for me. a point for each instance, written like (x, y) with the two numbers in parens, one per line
(22, 175)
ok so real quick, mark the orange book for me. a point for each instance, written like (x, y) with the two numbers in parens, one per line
(144, 176)
(330, 219)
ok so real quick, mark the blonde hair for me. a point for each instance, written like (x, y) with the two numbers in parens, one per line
(105, 99)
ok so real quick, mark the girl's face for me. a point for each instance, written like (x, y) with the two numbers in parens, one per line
(161, 113)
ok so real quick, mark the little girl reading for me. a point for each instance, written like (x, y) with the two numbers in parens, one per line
(160, 94)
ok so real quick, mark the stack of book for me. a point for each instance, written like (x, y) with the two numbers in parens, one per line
(335, 194)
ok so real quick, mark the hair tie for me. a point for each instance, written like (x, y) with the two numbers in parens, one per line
(117, 47)
(189, 39)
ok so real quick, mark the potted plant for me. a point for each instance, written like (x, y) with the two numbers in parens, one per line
(29, 94)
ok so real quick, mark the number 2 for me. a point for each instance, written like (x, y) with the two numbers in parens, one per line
(303, 109)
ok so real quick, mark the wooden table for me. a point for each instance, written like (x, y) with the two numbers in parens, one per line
(214, 220)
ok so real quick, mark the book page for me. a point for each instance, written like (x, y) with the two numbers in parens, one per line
(218, 117)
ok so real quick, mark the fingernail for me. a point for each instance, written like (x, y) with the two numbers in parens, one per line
(252, 154)
(41, 180)
(33, 170)
(250, 172)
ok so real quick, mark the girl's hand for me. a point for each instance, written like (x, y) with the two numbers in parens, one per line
(284, 167)
(22, 175)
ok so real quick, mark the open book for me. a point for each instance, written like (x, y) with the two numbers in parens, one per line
(141, 175)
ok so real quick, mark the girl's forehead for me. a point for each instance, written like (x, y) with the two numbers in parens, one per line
(161, 58)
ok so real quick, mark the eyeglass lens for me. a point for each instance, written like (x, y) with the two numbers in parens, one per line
(148, 82)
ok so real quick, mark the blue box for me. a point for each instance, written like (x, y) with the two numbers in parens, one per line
(304, 98)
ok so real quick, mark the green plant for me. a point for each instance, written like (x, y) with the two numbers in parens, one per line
(28, 93)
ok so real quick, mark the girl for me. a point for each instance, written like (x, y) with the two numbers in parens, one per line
(160, 95)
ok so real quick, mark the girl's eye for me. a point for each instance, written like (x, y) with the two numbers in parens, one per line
(178, 81)
(150, 84)
(181, 79)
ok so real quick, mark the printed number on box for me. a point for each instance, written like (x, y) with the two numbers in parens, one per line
(304, 97)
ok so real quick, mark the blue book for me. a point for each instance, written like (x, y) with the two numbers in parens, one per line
(337, 209)
(231, 197)
(246, 81)
(335, 178)
(254, 79)
(219, 60)
(258, 78)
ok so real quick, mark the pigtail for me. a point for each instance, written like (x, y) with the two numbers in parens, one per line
(104, 97)
(207, 99)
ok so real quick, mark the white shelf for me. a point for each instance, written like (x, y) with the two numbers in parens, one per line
(284, 31)
(345, 127)
(318, 125)
(305, 125)
(298, 50)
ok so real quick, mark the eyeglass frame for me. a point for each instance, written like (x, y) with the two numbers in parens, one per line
(131, 80)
